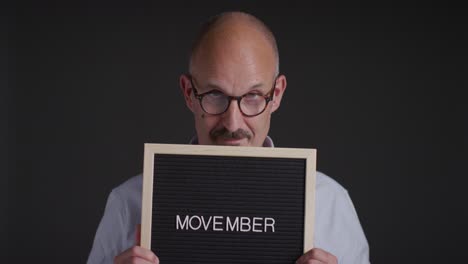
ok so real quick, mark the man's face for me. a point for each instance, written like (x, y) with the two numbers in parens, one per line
(234, 70)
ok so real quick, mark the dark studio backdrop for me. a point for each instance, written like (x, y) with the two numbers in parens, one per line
(373, 89)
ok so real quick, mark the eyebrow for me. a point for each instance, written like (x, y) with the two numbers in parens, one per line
(216, 87)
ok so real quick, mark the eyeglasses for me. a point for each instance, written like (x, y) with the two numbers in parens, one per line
(215, 102)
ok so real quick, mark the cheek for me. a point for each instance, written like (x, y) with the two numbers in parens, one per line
(259, 125)
(204, 122)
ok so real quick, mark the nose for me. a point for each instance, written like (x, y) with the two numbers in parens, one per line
(232, 119)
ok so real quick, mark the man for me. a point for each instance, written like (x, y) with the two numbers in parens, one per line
(232, 88)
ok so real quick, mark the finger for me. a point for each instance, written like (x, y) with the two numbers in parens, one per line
(136, 254)
(317, 254)
(313, 261)
(135, 260)
(309, 261)
(143, 261)
(144, 253)
(138, 235)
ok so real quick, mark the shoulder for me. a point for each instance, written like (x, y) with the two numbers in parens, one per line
(128, 195)
(116, 230)
(332, 196)
(337, 226)
(129, 188)
(133, 183)
(332, 199)
(325, 185)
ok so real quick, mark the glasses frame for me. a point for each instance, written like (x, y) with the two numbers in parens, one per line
(268, 98)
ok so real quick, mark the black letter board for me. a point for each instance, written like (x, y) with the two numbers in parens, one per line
(223, 204)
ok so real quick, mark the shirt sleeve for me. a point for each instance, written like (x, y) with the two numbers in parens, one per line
(338, 229)
(111, 236)
(358, 249)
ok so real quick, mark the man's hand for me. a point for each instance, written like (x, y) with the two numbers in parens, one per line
(317, 256)
(137, 254)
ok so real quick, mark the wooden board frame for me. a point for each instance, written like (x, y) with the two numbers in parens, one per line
(178, 149)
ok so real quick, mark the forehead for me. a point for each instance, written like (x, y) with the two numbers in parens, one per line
(234, 76)
(234, 61)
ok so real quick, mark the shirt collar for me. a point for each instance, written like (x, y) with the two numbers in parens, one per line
(268, 143)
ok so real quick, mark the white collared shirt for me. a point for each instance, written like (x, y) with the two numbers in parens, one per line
(337, 227)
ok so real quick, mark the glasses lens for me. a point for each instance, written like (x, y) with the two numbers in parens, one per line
(252, 104)
(215, 102)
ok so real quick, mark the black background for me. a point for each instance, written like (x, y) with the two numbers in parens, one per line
(373, 88)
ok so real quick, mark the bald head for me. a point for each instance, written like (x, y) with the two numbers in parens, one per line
(234, 55)
(236, 33)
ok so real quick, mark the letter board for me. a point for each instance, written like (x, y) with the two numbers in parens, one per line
(223, 204)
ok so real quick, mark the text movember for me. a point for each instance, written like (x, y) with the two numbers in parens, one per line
(225, 223)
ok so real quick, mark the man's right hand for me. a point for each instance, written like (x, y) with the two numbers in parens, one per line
(136, 255)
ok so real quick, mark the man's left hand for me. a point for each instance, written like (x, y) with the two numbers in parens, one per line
(317, 256)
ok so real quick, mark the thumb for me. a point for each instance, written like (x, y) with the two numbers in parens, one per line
(138, 235)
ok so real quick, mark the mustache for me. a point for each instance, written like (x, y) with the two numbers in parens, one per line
(226, 134)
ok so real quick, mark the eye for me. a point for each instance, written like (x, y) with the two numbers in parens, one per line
(214, 94)
(252, 96)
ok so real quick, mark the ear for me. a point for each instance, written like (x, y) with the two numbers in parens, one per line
(280, 87)
(186, 87)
